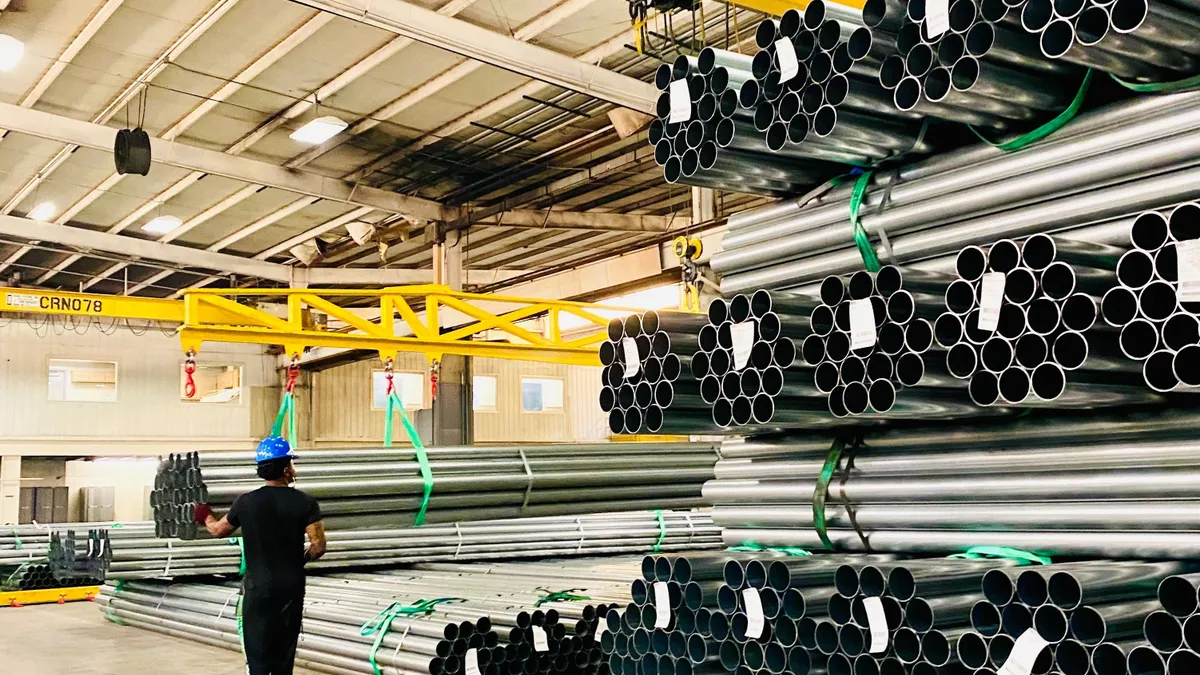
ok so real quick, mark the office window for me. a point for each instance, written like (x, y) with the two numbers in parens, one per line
(410, 386)
(483, 393)
(214, 384)
(78, 380)
(541, 394)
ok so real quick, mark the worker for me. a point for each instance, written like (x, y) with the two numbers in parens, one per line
(274, 519)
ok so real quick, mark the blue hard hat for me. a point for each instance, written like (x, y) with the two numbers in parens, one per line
(273, 447)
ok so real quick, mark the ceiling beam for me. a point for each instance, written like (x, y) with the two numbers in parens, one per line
(582, 220)
(100, 137)
(481, 44)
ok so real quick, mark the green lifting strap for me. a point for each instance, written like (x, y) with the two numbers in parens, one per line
(240, 626)
(861, 239)
(396, 404)
(287, 410)
(1002, 552)
(1185, 84)
(1048, 128)
(108, 610)
(662, 531)
(381, 623)
(821, 491)
(237, 541)
(568, 595)
(751, 547)
(19, 545)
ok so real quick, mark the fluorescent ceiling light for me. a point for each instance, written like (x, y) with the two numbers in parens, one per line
(319, 130)
(43, 212)
(11, 51)
(162, 224)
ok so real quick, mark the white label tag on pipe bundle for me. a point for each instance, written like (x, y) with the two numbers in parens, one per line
(632, 362)
(862, 324)
(681, 102)
(540, 644)
(471, 661)
(1024, 652)
(754, 612)
(991, 296)
(662, 605)
(789, 65)
(877, 624)
(1187, 254)
(743, 341)
(937, 17)
(601, 628)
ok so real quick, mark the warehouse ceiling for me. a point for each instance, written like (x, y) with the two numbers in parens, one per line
(501, 151)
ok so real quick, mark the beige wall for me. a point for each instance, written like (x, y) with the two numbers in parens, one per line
(341, 401)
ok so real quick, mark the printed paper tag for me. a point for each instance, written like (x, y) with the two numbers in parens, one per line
(877, 623)
(539, 639)
(1188, 255)
(1024, 652)
(862, 324)
(785, 52)
(743, 341)
(754, 613)
(681, 102)
(937, 17)
(601, 628)
(632, 362)
(662, 605)
(21, 300)
(991, 296)
(471, 661)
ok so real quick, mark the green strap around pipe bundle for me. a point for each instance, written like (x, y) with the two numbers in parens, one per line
(861, 239)
(395, 404)
(662, 531)
(108, 610)
(1160, 87)
(1048, 128)
(751, 547)
(560, 596)
(237, 541)
(821, 492)
(287, 410)
(1002, 552)
(381, 623)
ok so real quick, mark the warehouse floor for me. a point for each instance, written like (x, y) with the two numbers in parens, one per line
(76, 638)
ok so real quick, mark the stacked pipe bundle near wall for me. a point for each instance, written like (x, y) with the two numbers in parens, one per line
(868, 381)
(488, 625)
(1044, 344)
(382, 487)
(1110, 163)
(86, 560)
(1171, 633)
(816, 94)
(1155, 312)
(755, 362)
(715, 143)
(1125, 486)
(645, 388)
(145, 557)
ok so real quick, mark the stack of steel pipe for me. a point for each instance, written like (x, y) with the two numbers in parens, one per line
(1154, 308)
(1022, 326)
(491, 619)
(755, 362)
(645, 388)
(1172, 633)
(1122, 486)
(66, 562)
(31, 543)
(383, 488)
(709, 139)
(816, 95)
(606, 533)
(36, 576)
(864, 369)
(1111, 163)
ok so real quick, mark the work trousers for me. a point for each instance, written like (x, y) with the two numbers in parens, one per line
(270, 629)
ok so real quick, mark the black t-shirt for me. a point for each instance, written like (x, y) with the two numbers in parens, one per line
(273, 520)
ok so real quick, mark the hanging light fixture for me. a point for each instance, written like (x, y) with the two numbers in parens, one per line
(319, 130)
(43, 212)
(162, 224)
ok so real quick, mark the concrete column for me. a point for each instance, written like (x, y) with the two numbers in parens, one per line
(452, 416)
(704, 205)
(10, 489)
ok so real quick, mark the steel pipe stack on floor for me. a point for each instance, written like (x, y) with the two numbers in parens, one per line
(1171, 634)
(646, 388)
(497, 619)
(1022, 326)
(383, 488)
(1125, 486)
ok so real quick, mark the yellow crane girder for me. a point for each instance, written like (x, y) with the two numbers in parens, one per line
(222, 315)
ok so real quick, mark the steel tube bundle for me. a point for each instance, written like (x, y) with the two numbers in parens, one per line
(498, 620)
(647, 383)
(383, 487)
(1098, 489)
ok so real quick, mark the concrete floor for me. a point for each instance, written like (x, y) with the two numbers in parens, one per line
(75, 638)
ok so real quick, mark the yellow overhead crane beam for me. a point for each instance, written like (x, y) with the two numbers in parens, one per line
(216, 315)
